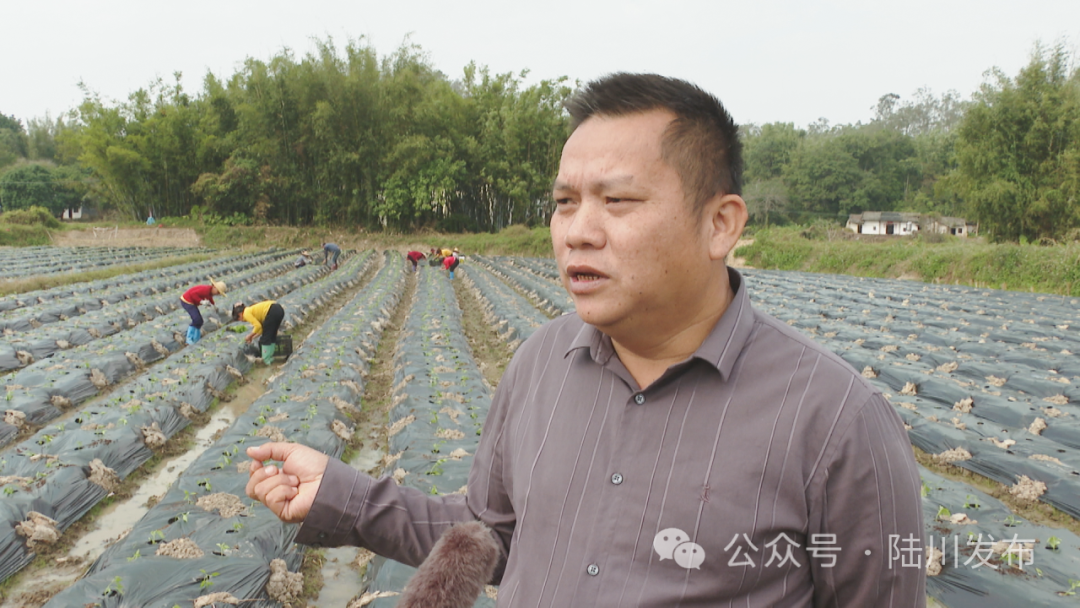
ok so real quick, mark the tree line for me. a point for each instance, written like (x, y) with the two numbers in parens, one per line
(350, 138)
(1008, 159)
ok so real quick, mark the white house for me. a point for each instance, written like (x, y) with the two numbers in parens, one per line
(956, 226)
(892, 222)
(884, 222)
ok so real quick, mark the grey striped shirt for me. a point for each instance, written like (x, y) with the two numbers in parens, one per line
(762, 471)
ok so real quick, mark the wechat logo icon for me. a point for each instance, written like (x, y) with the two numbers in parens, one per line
(674, 544)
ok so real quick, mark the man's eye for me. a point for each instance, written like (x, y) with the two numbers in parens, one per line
(561, 201)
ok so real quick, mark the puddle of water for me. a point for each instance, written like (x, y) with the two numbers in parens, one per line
(341, 583)
(366, 459)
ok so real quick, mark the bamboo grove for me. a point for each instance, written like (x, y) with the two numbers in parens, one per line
(336, 137)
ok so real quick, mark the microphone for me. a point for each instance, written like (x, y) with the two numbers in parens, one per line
(454, 574)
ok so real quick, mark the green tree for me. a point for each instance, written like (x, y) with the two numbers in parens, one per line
(768, 149)
(33, 185)
(1018, 151)
(823, 178)
(12, 140)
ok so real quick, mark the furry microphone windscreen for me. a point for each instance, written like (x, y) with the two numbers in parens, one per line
(455, 572)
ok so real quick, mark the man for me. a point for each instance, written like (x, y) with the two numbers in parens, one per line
(667, 445)
(415, 257)
(330, 254)
(265, 318)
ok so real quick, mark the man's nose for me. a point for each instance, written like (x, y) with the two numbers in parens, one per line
(586, 227)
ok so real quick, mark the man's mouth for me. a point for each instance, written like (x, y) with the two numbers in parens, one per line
(584, 276)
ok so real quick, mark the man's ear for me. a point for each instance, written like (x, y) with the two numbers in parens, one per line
(725, 218)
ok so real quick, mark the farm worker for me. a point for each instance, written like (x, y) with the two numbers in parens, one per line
(330, 254)
(303, 259)
(150, 220)
(415, 257)
(450, 264)
(446, 252)
(190, 301)
(434, 258)
(265, 318)
(666, 444)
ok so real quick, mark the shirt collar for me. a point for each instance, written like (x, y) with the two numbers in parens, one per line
(720, 349)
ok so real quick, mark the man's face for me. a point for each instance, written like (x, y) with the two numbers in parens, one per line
(631, 251)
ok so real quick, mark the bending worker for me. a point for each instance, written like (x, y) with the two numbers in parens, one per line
(331, 252)
(415, 257)
(265, 318)
(450, 264)
(191, 300)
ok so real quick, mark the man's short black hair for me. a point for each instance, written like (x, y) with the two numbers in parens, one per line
(701, 143)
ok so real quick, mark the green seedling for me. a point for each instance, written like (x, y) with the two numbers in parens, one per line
(970, 502)
(943, 513)
(1053, 543)
(207, 579)
(134, 557)
(1073, 585)
(1012, 521)
(925, 491)
(115, 587)
(437, 469)
(156, 536)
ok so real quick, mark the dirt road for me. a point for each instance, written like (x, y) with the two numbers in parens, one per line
(151, 236)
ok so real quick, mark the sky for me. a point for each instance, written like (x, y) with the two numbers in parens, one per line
(769, 61)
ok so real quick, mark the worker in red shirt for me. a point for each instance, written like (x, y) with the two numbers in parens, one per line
(415, 257)
(191, 300)
(450, 263)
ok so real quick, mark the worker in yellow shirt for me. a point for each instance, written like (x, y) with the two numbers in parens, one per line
(265, 318)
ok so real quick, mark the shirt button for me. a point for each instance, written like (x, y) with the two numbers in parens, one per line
(639, 399)
(593, 569)
(616, 479)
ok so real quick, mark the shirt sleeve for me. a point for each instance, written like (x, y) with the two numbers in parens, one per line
(397, 522)
(866, 503)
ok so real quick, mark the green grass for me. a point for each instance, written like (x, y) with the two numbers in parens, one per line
(952, 260)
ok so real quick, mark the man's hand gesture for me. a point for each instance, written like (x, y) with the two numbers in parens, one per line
(290, 491)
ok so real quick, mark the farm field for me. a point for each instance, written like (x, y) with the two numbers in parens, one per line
(393, 371)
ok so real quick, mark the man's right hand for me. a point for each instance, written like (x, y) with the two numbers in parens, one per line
(290, 491)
